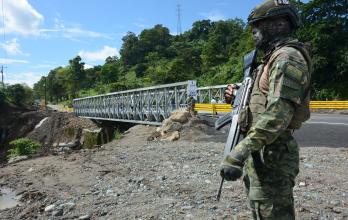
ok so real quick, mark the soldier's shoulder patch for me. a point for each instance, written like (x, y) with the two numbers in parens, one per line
(294, 72)
(291, 83)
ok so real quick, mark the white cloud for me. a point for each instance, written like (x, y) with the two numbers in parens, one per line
(78, 32)
(100, 55)
(141, 25)
(12, 47)
(75, 32)
(28, 78)
(88, 66)
(42, 66)
(12, 61)
(21, 17)
(214, 15)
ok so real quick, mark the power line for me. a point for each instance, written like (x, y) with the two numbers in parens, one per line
(4, 38)
(178, 28)
(3, 19)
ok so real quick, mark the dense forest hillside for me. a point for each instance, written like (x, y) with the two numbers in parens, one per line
(210, 52)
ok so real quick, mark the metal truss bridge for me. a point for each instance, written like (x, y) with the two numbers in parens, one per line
(149, 105)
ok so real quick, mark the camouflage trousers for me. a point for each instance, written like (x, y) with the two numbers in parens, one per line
(270, 177)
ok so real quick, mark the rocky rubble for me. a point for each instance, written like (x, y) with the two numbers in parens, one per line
(171, 127)
(182, 125)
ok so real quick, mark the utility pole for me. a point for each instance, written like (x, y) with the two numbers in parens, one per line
(4, 38)
(45, 93)
(178, 28)
(2, 75)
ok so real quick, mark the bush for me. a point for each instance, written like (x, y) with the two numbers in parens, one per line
(23, 146)
(117, 134)
(325, 94)
(91, 140)
(20, 95)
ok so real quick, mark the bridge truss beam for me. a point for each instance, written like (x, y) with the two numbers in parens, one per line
(150, 105)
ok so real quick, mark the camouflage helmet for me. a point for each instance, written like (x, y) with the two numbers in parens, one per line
(275, 8)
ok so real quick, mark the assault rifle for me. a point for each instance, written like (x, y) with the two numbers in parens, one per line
(241, 101)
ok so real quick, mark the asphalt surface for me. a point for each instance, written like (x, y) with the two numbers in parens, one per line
(321, 130)
(324, 130)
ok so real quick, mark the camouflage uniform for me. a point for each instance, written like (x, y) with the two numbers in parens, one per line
(273, 164)
(191, 105)
(270, 155)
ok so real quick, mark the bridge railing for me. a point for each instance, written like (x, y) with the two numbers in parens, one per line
(149, 105)
(208, 93)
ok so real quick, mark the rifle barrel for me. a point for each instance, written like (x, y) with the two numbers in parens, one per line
(220, 189)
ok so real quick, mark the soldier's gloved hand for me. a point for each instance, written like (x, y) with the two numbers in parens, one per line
(229, 93)
(231, 167)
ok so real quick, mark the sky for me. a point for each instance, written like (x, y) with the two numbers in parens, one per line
(39, 35)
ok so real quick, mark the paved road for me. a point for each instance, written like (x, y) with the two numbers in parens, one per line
(53, 107)
(322, 130)
(327, 130)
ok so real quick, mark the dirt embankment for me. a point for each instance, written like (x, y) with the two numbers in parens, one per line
(133, 178)
(16, 123)
(46, 127)
(60, 127)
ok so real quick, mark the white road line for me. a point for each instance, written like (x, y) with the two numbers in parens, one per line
(324, 122)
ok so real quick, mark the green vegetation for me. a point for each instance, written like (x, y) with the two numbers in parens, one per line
(210, 52)
(18, 94)
(23, 146)
(91, 140)
(70, 132)
(2, 97)
(325, 27)
(117, 134)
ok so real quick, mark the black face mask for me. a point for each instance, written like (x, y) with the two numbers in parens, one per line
(267, 32)
(261, 38)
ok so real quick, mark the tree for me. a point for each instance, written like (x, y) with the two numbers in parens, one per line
(155, 39)
(20, 94)
(2, 97)
(222, 36)
(55, 86)
(110, 71)
(130, 51)
(200, 30)
(39, 88)
(92, 76)
(325, 27)
(76, 75)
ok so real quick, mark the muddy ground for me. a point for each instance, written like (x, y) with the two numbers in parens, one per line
(132, 178)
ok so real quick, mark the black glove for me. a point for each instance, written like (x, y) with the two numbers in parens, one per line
(231, 168)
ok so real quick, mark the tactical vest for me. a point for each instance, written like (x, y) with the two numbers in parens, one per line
(258, 98)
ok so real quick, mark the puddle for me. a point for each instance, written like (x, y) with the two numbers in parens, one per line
(8, 198)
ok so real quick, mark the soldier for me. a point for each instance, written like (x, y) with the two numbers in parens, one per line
(279, 103)
(191, 102)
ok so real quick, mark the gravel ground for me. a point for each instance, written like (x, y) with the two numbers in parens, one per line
(131, 178)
